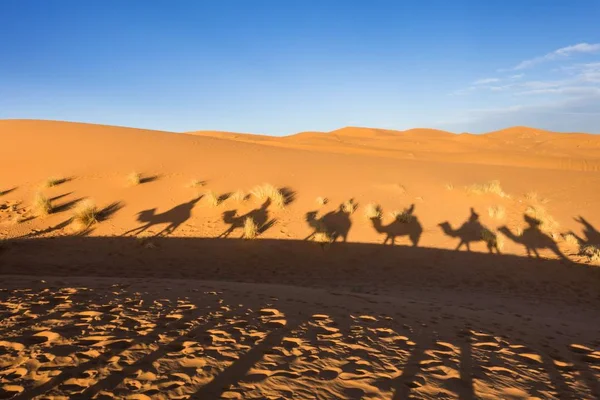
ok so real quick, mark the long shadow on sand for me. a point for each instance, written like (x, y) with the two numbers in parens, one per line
(237, 344)
(173, 218)
(472, 231)
(260, 217)
(533, 238)
(404, 224)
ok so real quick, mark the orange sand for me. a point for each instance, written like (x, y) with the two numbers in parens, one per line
(162, 298)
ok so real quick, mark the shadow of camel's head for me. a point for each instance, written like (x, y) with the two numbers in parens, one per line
(146, 215)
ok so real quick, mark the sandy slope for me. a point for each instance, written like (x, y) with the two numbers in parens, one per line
(356, 319)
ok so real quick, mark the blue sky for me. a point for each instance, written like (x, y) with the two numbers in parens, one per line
(280, 67)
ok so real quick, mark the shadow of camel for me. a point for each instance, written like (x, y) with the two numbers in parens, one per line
(173, 218)
(472, 231)
(591, 234)
(533, 238)
(260, 216)
(405, 224)
(334, 224)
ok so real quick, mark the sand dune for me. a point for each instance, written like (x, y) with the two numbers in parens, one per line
(475, 273)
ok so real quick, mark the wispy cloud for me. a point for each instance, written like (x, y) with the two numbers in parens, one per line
(485, 81)
(563, 52)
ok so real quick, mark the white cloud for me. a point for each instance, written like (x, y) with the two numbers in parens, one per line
(560, 53)
(485, 81)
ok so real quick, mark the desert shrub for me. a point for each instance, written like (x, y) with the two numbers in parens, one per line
(372, 211)
(547, 223)
(268, 191)
(85, 215)
(134, 178)
(250, 228)
(321, 201)
(591, 251)
(42, 205)
(349, 206)
(497, 211)
(487, 187)
(211, 198)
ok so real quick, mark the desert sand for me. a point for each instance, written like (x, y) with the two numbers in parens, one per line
(393, 264)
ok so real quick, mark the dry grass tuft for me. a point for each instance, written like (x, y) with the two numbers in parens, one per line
(212, 199)
(250, 228)
(498, 212)
(53, 181)
(373, 211)
(239, 196)
(321, 201)
(571, 239)
(492, 239)
(196, 183)
(449, 186)
(487, 187)
(349, 206)
(134, 178)
(42, 205)
(547, 223)
(85, 215)
(268, 191)
(535, 198)
(592, 252)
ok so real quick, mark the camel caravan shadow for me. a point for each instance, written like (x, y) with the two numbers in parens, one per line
(173, 218)
(533, 238)
(472, 231)
(331, 226)
(259, 217)
(404, 224)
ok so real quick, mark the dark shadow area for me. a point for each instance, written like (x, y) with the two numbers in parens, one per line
(66, 206)
(108, 211)
(301, 263)
(173, 218)
(60, 196)
(7, 191)
(472, 231)
(335, 224)
(223, 197)
(591, 236)
(405, 224)
(288, 194)
(260, 216)
(57, 182)
(148, 179)
(533, 238)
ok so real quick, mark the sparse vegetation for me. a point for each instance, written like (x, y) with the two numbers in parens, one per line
(196, 183)
(349, 206)
(268, 191)
(53, 181)
(322, 237)
(487, 187)
(590, 251)
(547, 223)
(212, 199)
(535, 198)
(449, 186)
(238, 196)
(85, 215)
(321, 201)
(373, 210)
(42, 205)
(519, 231)
(134, 178)
(497, 212)
(250, 228)
(492, 239)
(571, 239)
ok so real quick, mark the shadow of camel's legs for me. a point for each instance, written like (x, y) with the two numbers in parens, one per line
(138, 230)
